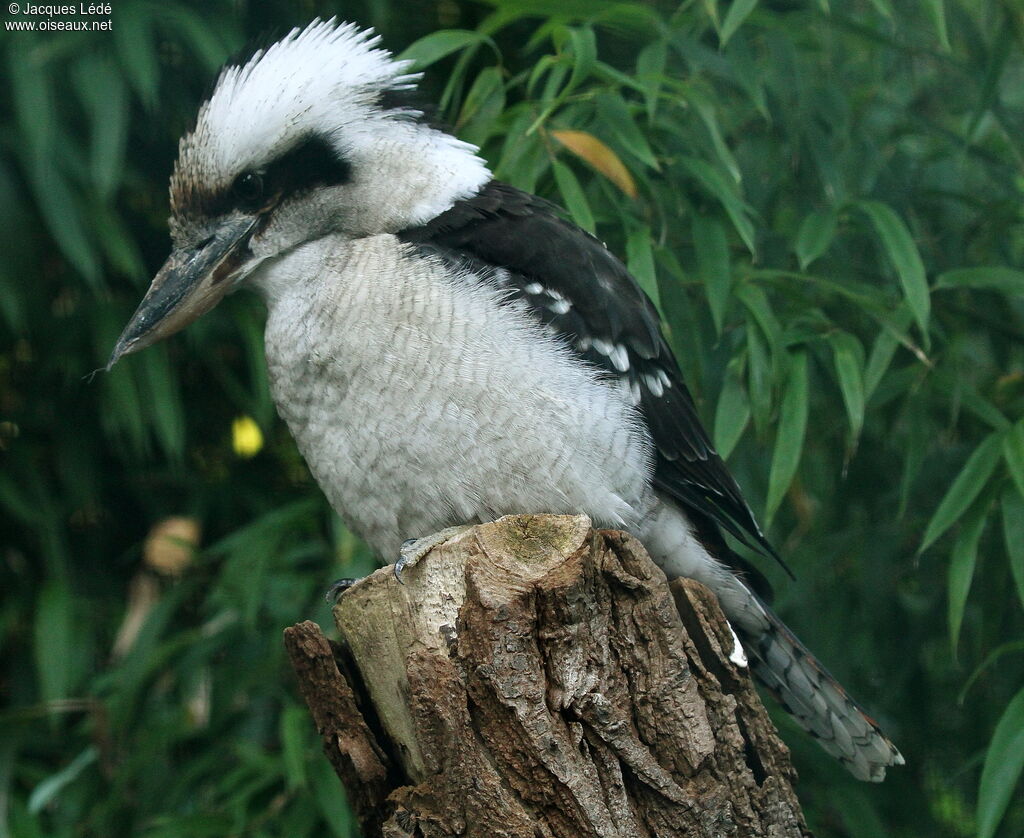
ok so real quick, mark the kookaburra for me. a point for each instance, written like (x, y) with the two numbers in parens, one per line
(447, 349)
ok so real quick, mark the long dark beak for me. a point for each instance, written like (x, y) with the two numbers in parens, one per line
(191, 282)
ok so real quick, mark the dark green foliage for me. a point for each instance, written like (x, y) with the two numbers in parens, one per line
(828, 213)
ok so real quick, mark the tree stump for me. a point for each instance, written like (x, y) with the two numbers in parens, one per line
(534, 677)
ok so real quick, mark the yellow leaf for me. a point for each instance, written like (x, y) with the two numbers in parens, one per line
(171, 544)
(589, 148)
(246, 437)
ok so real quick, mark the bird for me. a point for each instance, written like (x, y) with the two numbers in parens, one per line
(447, 349)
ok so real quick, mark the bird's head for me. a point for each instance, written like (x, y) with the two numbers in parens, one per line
(297, 143)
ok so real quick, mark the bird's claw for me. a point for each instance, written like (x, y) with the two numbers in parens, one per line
(414, 549)
(337, 588)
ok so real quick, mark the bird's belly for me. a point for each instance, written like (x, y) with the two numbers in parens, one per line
(422, 400)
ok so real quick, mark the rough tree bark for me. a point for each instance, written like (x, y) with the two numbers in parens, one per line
(533, 677)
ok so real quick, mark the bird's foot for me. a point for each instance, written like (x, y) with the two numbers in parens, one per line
(414, 549)
(338, 587)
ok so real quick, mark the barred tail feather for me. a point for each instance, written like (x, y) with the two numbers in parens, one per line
(817, 701)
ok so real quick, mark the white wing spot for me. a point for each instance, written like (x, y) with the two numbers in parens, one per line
(619, 358)
(560, 306)
(533, 288)
(654, 385)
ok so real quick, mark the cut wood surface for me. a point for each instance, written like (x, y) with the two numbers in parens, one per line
(534, 677)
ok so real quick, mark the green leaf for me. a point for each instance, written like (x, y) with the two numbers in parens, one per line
(437, 45)
(961, 572)
(133, 39)
(758, 375)
(1013, 452)
(936, 10)
(293, 729)
(55, 641)
(330, 797)
(650, 72)
(707, 112)
(1006, 280)
(883, 7)
(789, 442)
(573, 196)
(848, 356)
(617, 120)
(725, 191)
(966, 487)
(1013, 534)
(738, 12)
(482, 107)
(105, 98)
(883, 350)
(584, 53)
(1003, 764)
(48, 789)
(733, 410)
(640, 261)
(816, 233)
(712, 248)
(902, 251)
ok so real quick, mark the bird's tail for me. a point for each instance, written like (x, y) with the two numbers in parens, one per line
(816, 700)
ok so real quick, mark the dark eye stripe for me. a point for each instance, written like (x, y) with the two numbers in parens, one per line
(310, 164)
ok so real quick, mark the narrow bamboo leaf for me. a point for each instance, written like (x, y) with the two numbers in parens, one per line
(650, 72)
(48, 789)
(993, 656)
(738, 12)
(133, 38)
(584, 53)
(848, 355)
(711, 7)
(1003, 764)
(709, 116)
(883, 7)
(936, 10)
(757, 303)
(618, 121)
(589, 148)
(293, 728)
(331, 801)
(733, 410)
(956, 387)
(902, 251)
(712, 248)
(725, 191)
(54, 641)
(816, 233)
(1013, 534)
(789, 442)
(962, 562)
(437, 45)
(640, 261)
(759, 376)
(966, 487)
(997, 57)
(1013, 452)
(482, 107)
(883, 350)
(1007, 280)
(573, 196)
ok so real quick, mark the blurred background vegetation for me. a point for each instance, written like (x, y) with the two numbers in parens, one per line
(823, 196)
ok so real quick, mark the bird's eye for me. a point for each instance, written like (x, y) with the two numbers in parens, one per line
(248, 188)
